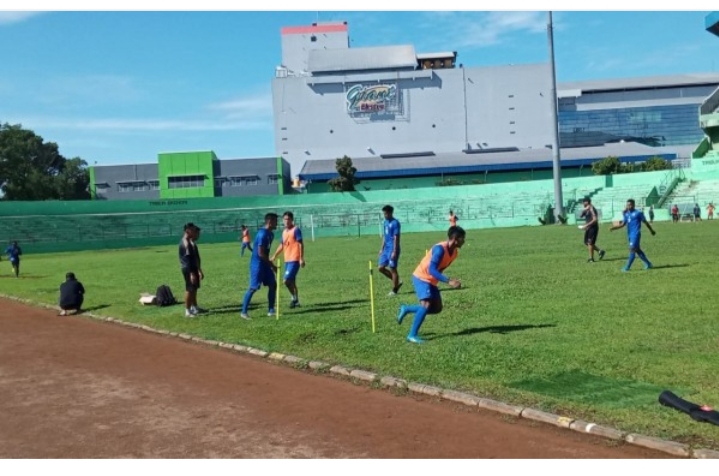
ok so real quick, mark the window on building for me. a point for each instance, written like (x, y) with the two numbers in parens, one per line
(186, 181)
(236, 181)
(220, 182)
(252, 180)
(273, 179)
(140, 187)
(124, 187)
(154, 184)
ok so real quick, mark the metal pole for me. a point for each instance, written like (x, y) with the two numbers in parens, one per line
(558, 201)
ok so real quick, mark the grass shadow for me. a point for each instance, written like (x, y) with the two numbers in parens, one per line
(668, 266)
(95, 308)
(489, 329)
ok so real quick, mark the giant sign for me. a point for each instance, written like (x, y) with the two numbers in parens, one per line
(377, 98)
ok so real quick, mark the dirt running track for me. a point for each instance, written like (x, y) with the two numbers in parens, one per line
(71, 387)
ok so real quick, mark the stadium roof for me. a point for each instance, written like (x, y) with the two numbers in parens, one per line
(648, 82)
(711, 22)
(360, 59)
(460, 162)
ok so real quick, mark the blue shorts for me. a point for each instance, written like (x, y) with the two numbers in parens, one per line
(384, 259)
(634, 242)
(425, 291)
(291, 270)
(260, 276)
(245, 245)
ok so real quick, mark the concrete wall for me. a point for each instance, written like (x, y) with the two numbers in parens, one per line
(265, 170)
(108, 180)
(504, 106)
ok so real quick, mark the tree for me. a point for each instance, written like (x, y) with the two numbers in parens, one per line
(657, 163)
(32, 169)
(345, 181)
(609, 165)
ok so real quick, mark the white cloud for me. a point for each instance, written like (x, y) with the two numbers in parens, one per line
(471, 30)
(8, 17)
(249, 107)
(139, 125)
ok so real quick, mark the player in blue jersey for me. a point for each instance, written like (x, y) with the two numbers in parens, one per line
(262, 269)
(13, 253)
(389, 253)
(633, 220)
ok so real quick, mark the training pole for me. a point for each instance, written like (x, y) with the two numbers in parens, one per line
(277, 293)
(371, 295)
(312, 227)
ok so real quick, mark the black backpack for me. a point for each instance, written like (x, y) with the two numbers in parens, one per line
(164, 296)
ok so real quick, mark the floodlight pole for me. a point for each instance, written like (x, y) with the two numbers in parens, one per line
(558, 200)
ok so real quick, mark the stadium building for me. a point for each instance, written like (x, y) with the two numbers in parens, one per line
(410, 119)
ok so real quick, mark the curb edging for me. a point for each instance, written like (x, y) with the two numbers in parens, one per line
(672, 448)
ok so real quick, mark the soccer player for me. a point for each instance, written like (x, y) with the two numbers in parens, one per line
(389, 253)
(262, 269)
(191, 268)
(426, 277)
(710, 211)
(633, 220)
(294, 250)
(452, 218)
(591, 229)
(13, 253)
(245, 240)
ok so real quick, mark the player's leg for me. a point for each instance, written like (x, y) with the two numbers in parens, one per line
(421, 289)
(290, 279)
(430, 303)
(189, 288)
(643, 257)
(271, 283)
(633, 246)
(255, 285)
(396, 283)
(242, 249)
(382, 264)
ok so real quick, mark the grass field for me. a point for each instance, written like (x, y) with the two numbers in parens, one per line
(534, 323)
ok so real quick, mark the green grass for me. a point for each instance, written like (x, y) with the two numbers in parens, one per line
(534, 323)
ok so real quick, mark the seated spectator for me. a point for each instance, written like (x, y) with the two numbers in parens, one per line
(72, 294)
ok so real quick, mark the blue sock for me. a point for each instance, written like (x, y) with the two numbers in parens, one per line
(644, 258)
(414, 309)
(418, 320)
(272, 296)
(632, 255)
(246, 300)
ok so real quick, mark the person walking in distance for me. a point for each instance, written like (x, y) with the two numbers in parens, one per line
(591, 229)
(246, 244)
(633, 220)
(390, 250)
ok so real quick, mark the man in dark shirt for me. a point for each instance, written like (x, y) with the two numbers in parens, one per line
(591, 229)
(72, 294)
(191, 268)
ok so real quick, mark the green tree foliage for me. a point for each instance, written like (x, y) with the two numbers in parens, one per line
(32, 169)
(345, 181)
(612, 165)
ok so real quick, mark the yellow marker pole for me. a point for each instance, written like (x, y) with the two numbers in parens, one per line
(277, 294)
(371, 295)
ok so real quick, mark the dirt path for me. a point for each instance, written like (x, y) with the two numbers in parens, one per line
(71, 387)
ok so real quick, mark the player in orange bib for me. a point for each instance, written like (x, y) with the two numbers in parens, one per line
(452, 218)
(294, 250)
(245, 240)
(426, 277)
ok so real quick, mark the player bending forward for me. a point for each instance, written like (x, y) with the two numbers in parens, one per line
(426, 277)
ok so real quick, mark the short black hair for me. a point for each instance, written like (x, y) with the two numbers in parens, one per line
(191, 226)
(631, 200)
(587, 200)
(70, 275)
(455, 232)
(289, 214)
(270, 216)
(388, 208)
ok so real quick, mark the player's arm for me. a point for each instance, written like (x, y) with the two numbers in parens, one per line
(437, 255)
(264, 257)
(298, 239)
(617, 227)
(277, 251)
(395, 246)
(644, 220)
(199, 264)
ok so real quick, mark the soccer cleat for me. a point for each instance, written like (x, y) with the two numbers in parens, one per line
(245, 316)
(648, 266)
(625, 269)
(294, 304)
(271, 313)
(396, 290)
(590, 261)
(189, 314)
(401, 314)
(63, 313)
(601, 254)
(392, 293)
(415, 340)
